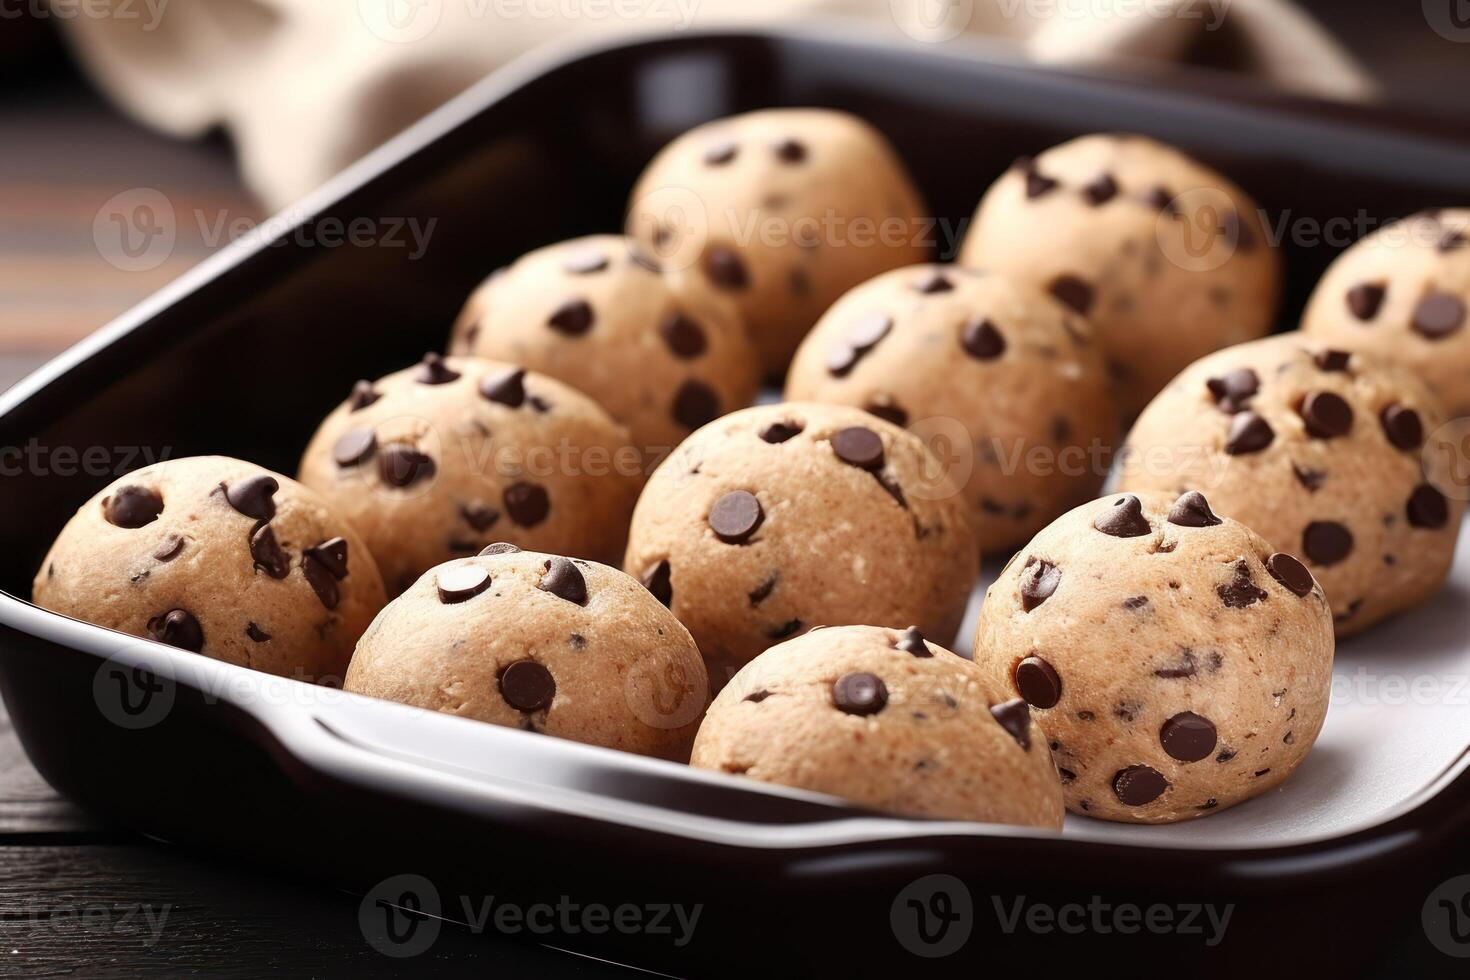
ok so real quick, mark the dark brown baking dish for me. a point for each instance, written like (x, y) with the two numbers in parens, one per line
(245, 353)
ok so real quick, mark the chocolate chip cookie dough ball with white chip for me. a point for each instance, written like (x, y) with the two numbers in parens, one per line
(887, 720)
(1177, 663)
(1168, 259)
(219, 557)
(1403, 294)
(778, 518)
(976, 359)
(660, 351)
(1320, 452)
(543, 643)
(438, 460)
(783, 211)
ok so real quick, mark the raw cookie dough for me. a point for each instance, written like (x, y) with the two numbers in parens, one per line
(1004, 382)
(220, 557)
(438, 460)
(542, 643)
(661, 351)
(1167, 258)
(1319, 452)
(1177, 664)
(782, 517)
(783, 210)
(1403, 293)
(887, 720)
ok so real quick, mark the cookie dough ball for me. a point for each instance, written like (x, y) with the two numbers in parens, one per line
(1177, 663)
(783, 517)
(1402, 293)
(887, 720)
(1000, 376)
(1168, 259)
(1320, 452)
(219, 557)
(782, 210)
(660, 351)
(542, 643)
(439, 460)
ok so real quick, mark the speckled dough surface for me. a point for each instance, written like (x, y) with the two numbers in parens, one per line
(438, 460)
(1004, 382)
(1321, 453)
(782, 210)
(887, 720)
(1177, 664)
(1167, 258)
(220, 557)
(782, 517)
(661, 351)
(543, 643)
(1402, 293)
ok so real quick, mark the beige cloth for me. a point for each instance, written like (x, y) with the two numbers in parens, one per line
(305, 87)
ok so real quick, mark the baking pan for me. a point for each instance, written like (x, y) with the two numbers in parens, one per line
(245, 353)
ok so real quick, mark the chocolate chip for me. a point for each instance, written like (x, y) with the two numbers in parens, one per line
(658, 580)
(1037, 183)
(736, 516)
(1402, 426)
(177, 628)
(1038, 682)
(584, 261)
(1138, 785)
(757, 697)
(912, 641)
(564, 580)
(1188, 737)
(362, 396)
(1015, 717)
(1327, 415)
(790, 151)
(1438, 315)
(433, 371)
(168, 549)
(457, 583)
(1039, 580)
(695, 404)
(1135, 602)
(860, 447)
(331, 555)
(719, 154)
(1235, 389)
(642, 260)
(133, 507)
(401, 465)
(254, 496)
(354, 446)
(269, 556)
(1073, 292)
(1124, 519)
(478, 516)
(505, 387)
(527, 686)
(762, 592)
(1364, 299)
(1101, 190)
(1162, 198)
(573, 318)
(1326, 542)
(859, 694)
(578, 641)
(1428, 508)
(778, 432)
(499, 548)
(526, 503)
(862, 336)
(1290, 573)
(725, 270)
(799, 282)
(1333, 361)
(682, 335)
(1241, 590)
(1237, 233)
(785, 630)
(1249, 433)
(982, 340)
(888, 412)
(1452, 240)
(931, 282)
(1193, 510)
(256, 634)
